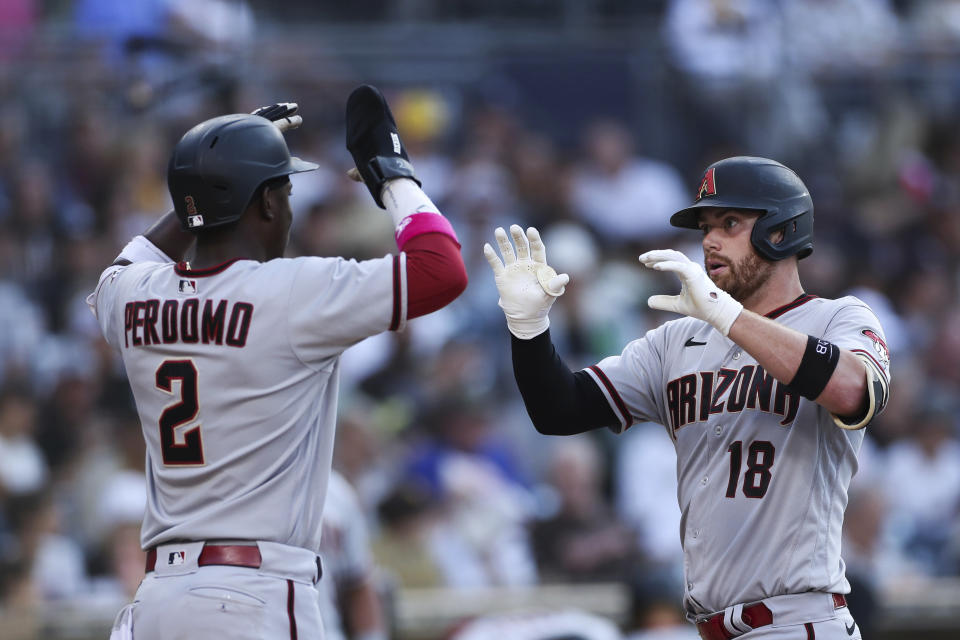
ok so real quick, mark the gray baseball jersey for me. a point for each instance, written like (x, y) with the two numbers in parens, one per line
(235, 374)
(762, 472)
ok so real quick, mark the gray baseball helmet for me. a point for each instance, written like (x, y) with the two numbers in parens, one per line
(218, 165)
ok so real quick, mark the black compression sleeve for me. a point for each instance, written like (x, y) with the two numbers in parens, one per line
(559, 401)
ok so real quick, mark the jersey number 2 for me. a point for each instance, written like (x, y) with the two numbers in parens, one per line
(190, 450)
(756, 479)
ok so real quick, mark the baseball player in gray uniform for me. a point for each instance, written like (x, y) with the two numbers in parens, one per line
(763, 389)
(233, 359)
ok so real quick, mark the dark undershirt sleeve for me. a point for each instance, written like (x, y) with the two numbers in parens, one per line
(559, 401)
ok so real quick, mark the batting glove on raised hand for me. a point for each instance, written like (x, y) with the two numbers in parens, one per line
(281, 115)
(526, 283)
(699, 297)
(374, 142)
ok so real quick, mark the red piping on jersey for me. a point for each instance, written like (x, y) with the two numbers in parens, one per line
(290, 614)
(803, 298)
(183, 269)
(811, 634)
(621, 405)
(395, 320)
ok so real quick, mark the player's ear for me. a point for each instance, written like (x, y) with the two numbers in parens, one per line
(267, 202)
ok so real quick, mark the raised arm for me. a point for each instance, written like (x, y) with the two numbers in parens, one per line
(435, 271)
(558, 401)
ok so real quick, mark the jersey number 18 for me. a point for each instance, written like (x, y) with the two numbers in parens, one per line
(756, 479)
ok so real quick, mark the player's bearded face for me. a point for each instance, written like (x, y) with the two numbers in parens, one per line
(744, 277)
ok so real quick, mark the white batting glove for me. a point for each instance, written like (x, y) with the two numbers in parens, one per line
(281, 115)
(526, 283)
(699, 297)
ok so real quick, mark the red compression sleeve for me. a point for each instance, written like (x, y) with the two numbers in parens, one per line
(436, 274)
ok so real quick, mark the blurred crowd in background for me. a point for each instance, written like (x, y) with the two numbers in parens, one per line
(860, 97)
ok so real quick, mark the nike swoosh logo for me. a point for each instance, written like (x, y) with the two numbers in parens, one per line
(693, 343)
(851, 628)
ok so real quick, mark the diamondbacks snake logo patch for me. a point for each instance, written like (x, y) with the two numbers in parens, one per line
(708, 186)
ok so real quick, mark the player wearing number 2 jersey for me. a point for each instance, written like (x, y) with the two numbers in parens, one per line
(233, 359)
(763, 389)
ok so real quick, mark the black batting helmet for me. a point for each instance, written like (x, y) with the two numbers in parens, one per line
(218, 165)
(758, 184)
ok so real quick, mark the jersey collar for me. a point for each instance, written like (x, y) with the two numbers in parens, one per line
(183, 269)
(803, 298)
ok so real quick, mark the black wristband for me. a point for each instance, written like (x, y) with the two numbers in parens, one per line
(819, 361)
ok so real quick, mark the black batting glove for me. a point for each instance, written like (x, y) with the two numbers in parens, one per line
(374, 142)
(281, 115)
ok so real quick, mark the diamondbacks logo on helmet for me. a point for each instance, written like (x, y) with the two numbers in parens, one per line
(708, 187)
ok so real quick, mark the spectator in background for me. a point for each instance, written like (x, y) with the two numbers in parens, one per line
(624, 198)
(365, 453)
(425, 117)
(23, 467)
(922, 484)
(826, 44)
(112, 487)
(482, 490)
(654, 613)
(57, 563)
(594, 315)
(113, 22)
(582, 539)
(867, 561)
(542, 180)
(458, 426)
(727, 55)
(20, 605)
(408, 515)
(646, 495)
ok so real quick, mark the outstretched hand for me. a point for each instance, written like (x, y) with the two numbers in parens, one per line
(699, 297)
(527, 285)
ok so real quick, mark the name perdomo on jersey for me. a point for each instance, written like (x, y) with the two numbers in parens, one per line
(696, 396)
(147, 322)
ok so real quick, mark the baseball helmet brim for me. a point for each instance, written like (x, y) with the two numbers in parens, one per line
(688, 218)
(301, 166)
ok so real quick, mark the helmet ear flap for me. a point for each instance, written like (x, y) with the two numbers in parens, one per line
(796, 235)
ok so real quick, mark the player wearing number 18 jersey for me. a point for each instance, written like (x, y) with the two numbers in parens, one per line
(763, 389)
(233, 359)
